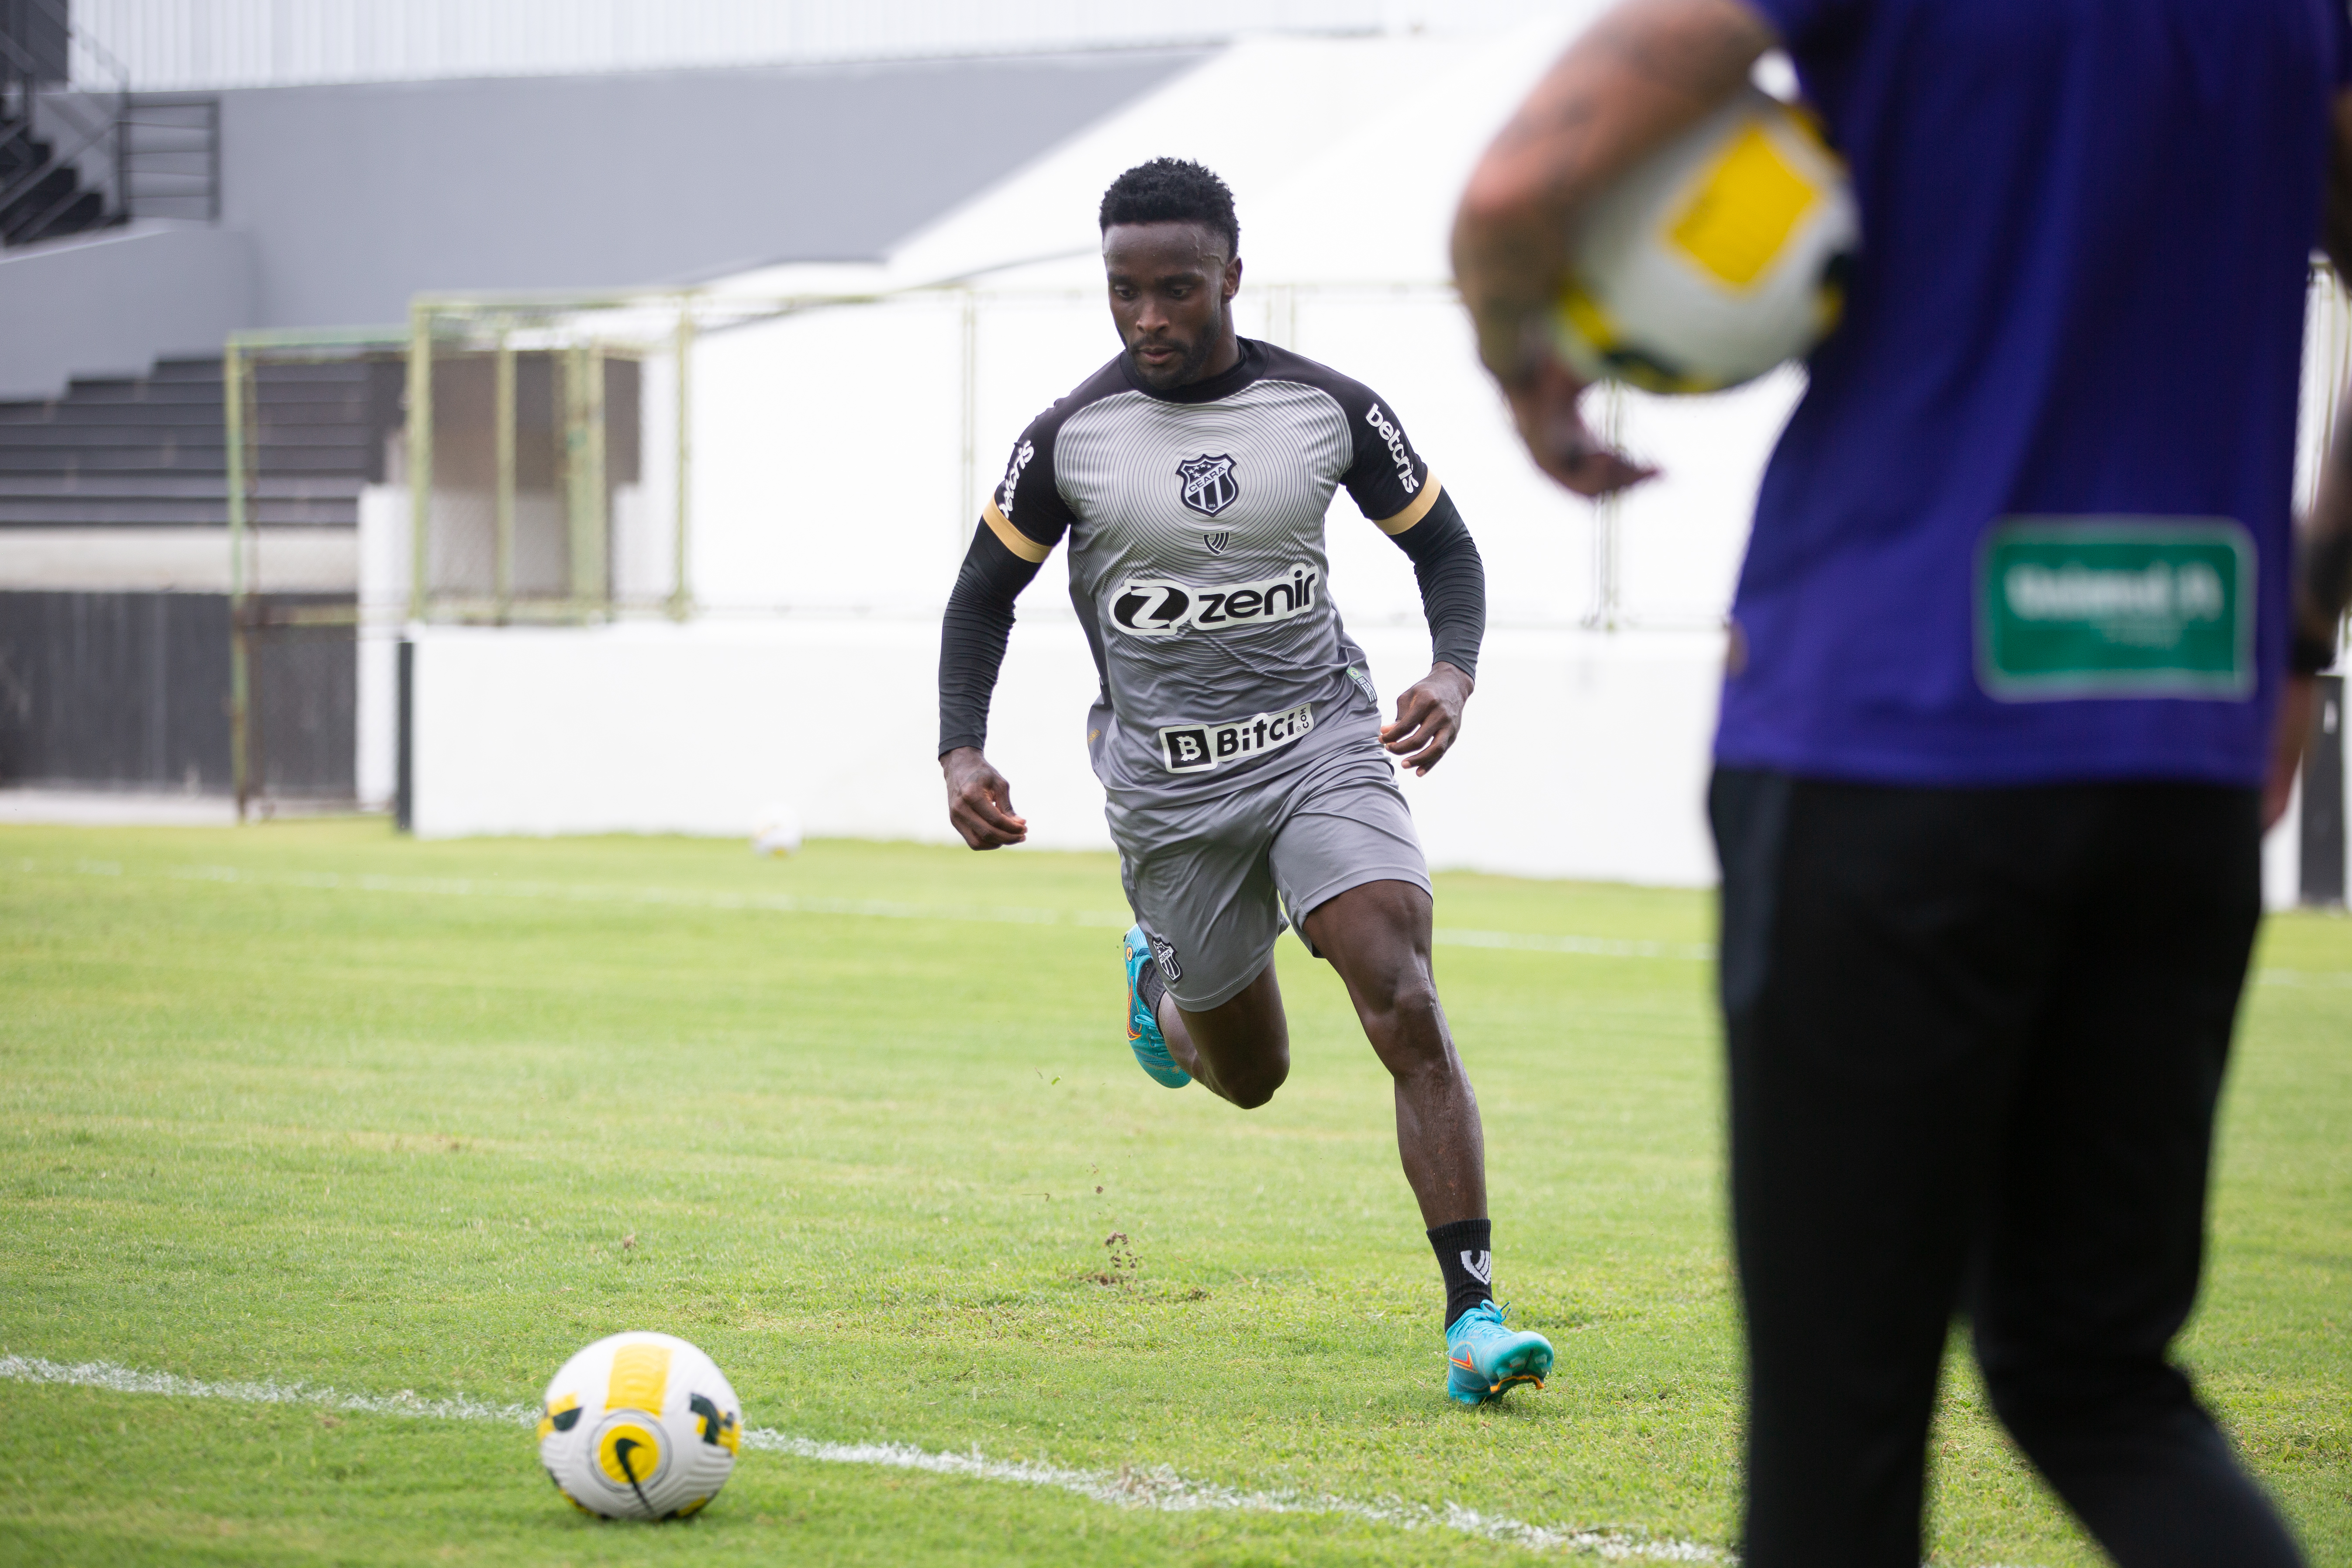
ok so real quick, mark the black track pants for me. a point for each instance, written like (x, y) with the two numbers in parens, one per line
(1976, 1039)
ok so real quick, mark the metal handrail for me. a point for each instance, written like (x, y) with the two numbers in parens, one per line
(156, 173)
(19, 72)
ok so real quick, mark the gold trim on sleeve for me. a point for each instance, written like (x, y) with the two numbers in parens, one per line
(1015, 541)
(1409, 515)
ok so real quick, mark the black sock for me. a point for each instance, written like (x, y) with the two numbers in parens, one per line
(1465, 1257)
(1149, 985)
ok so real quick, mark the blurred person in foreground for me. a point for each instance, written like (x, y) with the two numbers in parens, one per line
(1985, 916)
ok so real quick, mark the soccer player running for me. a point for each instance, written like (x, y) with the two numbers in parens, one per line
(1236, 732)
(2011, 645)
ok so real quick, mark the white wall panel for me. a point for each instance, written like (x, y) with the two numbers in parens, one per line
(828, 461)
(695, 729)
(1584, 755)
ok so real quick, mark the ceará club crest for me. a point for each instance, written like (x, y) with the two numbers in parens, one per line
(1207, 482)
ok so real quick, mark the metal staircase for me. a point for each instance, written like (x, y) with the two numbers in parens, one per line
(61, 147)
(148, 452)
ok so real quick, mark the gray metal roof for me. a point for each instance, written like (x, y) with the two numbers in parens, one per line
(358, 196)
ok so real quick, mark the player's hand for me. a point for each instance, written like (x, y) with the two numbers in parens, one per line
(980, 802)
(1429, 718)
(2296, 699)
(1545, 405)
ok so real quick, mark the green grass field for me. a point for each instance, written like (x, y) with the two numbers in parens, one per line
(311, 1103)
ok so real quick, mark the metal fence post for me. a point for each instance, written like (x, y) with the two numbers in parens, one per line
(240, 690)
(503, 504)
(1608, 587)
(2323, 846)
(584, 442)
(420, 454)
(969, 518)
(681, 597)
(404, 784)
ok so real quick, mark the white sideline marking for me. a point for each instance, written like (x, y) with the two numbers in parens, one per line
(785, 903)
(1158, 1488)
(130, 1380)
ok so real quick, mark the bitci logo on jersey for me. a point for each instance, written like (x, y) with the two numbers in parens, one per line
(1201, 748)
(1208, 486)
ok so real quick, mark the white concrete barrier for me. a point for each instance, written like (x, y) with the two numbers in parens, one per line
(1584, 754)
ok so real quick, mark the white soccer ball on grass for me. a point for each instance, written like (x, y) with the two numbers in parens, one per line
(1720, 256)
(640, 1426)
(778, 831)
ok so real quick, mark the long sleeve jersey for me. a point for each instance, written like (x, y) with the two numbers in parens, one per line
(1195, 523)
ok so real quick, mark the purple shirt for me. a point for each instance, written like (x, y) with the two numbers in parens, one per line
(2087, 232)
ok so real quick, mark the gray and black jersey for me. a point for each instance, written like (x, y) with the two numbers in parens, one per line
(1197, 570)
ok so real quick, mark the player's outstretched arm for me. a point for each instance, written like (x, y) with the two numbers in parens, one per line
(972, 638)
(1453, 578)
(1646, 71)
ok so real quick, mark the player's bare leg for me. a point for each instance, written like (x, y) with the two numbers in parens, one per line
(1377, 936)
(1239, 1050)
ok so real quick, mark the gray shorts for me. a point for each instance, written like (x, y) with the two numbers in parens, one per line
(1215, 881)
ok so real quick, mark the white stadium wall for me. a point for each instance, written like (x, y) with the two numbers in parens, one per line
(1584, 754)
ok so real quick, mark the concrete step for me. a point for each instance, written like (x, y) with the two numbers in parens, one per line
(277, 381)
(183, 560)
(26, 437)
(55, 512)
(182, 460)
(208, 368)
(352, 411)
(339, 407)
(185, 370)
(64, 411)
(156, 460)
(172, 486)
(85, 389)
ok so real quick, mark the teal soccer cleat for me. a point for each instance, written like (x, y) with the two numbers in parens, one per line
(1143, 1035)
(1486, 1359)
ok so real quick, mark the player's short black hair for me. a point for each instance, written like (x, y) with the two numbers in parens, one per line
(1173, 190)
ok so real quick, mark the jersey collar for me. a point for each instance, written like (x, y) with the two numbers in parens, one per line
(1247, 368)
